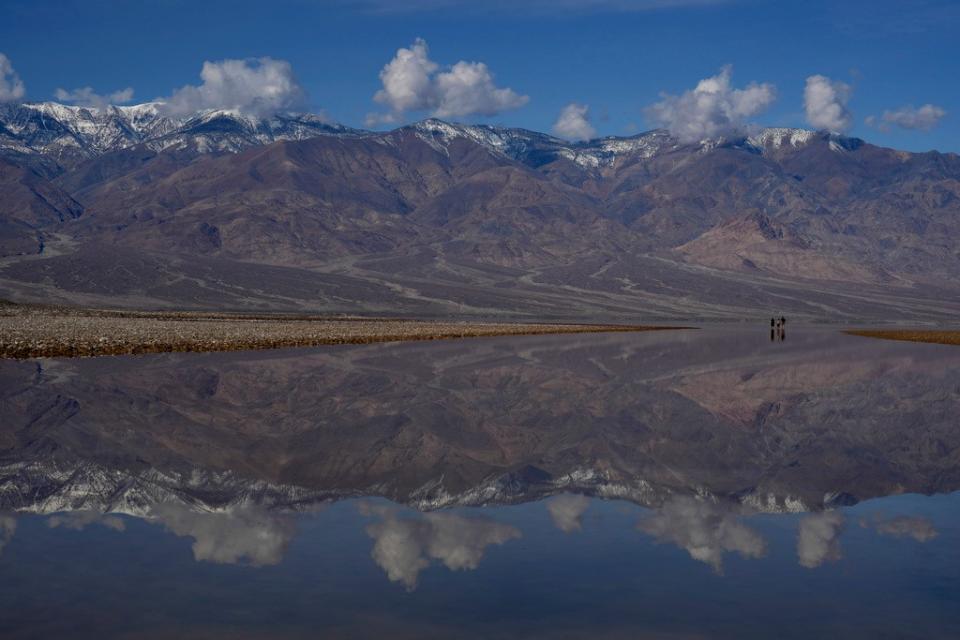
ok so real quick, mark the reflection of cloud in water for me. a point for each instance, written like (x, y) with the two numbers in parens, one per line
(8, 525)
(818, 538)
(567, 511)
(242, 535)
(403, 547)
(705, 529)
(920, 529)
(78, 520)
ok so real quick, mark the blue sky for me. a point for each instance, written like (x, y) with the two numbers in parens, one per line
(614, 56)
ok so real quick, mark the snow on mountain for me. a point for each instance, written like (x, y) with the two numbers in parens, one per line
(605, 151)
(64, 131)
(781, 139)
(512, 143)
(231, 131)
(777, 137)
(69, 134)
(533, 148)
(537, 149)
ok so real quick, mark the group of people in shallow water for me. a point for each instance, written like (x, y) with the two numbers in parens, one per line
(778, 329)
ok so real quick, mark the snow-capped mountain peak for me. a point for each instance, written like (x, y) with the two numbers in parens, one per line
(536, 148)
(777, 137)
(70, 133)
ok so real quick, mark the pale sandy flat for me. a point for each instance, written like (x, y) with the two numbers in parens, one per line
(30, 332)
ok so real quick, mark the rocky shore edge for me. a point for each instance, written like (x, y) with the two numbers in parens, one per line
(40, 332)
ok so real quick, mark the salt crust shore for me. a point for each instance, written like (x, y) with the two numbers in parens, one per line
(910, 335)
(35, 332)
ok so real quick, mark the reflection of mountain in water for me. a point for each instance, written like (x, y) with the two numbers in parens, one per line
(820, 420)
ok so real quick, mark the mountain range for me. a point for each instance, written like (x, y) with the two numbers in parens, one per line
(127, 206)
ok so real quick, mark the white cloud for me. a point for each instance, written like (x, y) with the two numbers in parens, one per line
(413, 82)
(705, 529)
(79, 520)
(818, 538)
(407, 81)
(260, 87)
(468, 88)
(924, 118)
(825, 103)
(87, 97)
(574, 123)
(8, 526)
(920, 529)
(713, 108)
(566, 511)
(249, 535)
(403, 547)
(11, 87)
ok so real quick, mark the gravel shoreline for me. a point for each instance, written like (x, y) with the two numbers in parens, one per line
(918, 335)
(36, 332)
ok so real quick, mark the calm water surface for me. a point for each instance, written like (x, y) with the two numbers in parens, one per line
(698, 484)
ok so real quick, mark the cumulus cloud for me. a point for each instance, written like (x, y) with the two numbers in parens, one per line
(260, 87)
(704, 529)
(566, 511)
(87, 97)
(918, 528)
(403, 547)
(8, 526)
(79, 520)
(243, 535)
(923, 118)
(11, 87)
(713, 108)
(414, 82)
(825, 103)
(468, 88)
(574, 123)
(818, 538)
(407, 79)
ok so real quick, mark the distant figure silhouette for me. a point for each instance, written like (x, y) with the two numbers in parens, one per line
(778, 329)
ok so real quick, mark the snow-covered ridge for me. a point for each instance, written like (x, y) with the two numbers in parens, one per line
(440, 133)
(57, 129)
(538, 148)
(526, 145)
(70, 134)
(777, 137)
(505, 141)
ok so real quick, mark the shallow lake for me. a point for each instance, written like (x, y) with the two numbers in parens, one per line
(690, 484)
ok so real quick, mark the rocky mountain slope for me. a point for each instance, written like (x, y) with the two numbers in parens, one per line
(471, 219)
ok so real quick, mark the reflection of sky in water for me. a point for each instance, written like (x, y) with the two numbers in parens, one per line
(554, 567)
